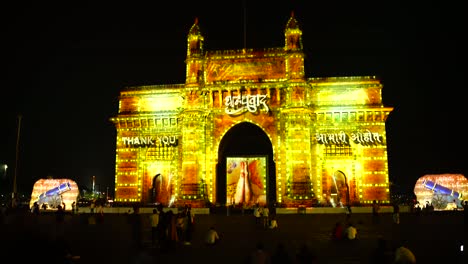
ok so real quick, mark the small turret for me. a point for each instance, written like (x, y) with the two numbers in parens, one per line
(194, 41)
(194, 61)
(293, 34)
(295, 61)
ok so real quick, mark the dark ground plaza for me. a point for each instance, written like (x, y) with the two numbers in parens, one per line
(435, 237)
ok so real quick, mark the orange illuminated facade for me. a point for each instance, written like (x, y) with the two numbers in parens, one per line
(312, 141)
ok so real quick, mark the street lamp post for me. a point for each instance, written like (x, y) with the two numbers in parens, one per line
(14, 194)
(94, 184)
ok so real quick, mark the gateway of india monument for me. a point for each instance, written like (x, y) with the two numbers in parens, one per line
(248, 127)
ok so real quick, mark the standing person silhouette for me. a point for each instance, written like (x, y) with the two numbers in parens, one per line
(465, 213)
(154, 222)
(257, 212)
(73, 207)
(92, 206)
(396, 213)
(266, 216)
(349, 211)
(172, 238)
(375, 212)
(35, 208)
(60, 222)
(136, 224)
(190, 226)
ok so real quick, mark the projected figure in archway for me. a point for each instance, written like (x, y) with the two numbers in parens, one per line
(243, 190)
(245, 180)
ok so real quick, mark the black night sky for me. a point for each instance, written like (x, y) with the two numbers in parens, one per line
(66, 64)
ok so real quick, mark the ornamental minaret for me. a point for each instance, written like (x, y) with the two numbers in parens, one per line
(293, 34)
(293, 46)
(194, 59)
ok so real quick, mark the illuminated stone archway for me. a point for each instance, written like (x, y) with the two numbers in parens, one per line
(313, 127)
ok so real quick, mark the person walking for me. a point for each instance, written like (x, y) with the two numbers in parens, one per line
(396, 213)
(154, 222)
(34, 212)
(348, 213)
(375, 212)
(35, 209)
(172, 237)
(465, 214)
(181, 225)
(190, 226)
(136, 224)
(257, 212)
(100, 208)
(100, 211)
(60, 222)
(73, 207)
(60, 214)
(266, 216)
(92, 206)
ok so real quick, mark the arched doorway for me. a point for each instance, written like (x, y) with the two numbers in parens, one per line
(245, 140)
(340, 189)
(155, 186)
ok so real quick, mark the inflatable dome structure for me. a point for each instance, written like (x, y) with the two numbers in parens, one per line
(54, 192)
(443, 191)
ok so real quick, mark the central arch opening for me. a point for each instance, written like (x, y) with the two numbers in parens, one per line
(245, 140)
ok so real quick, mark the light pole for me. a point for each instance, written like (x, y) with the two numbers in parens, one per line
(94, 183)
(14, 194)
